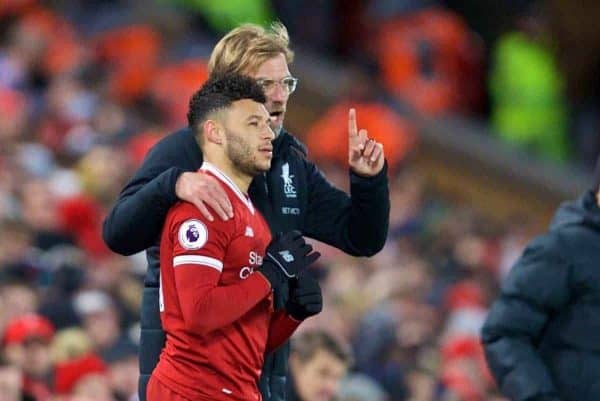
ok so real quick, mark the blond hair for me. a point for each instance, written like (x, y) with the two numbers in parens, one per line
(69, 344)
(246, 47)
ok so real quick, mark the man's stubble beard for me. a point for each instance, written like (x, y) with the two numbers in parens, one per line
(278, 106)
(240, 156)
(276, 129)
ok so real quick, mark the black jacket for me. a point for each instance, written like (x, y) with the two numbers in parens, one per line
(293, 195)
(291, 393)
(542, 336)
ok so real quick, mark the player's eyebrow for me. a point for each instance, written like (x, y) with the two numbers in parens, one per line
(256, 117)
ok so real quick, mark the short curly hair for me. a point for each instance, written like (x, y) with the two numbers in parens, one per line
(218, 93)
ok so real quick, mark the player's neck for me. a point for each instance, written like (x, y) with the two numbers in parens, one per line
(241, 180)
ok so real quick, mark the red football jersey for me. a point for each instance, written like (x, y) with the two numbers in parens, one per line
(217, 314)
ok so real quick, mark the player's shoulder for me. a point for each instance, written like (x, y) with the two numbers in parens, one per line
(185, 214)
(186, 224)
(183, 210)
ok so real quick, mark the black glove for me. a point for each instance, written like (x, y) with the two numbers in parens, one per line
(305, 299)
(286, 256)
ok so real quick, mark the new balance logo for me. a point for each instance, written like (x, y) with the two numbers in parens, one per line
(287, 256)
(249, 232)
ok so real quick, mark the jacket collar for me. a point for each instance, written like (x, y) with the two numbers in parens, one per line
(285, 142)
(584, 211)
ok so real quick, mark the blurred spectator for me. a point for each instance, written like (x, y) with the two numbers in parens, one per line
(69, 344)
(100, 319)
(68, 273)
(422, 385)
(103, 171)
(13, 116)
(11, 383)
(26, 344)
(80, 217)
(123, 370)
(527, 89)
(464, 371)
(359, 387)
(466, 309)
(15, 243)
(318, 362)
(39, 211)
(18, 298)
(83, 377)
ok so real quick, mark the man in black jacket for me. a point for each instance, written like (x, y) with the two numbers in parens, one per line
(542, 336)
(294, 194)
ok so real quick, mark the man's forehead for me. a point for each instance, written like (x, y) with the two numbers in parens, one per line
(274, 68)
(250, 107)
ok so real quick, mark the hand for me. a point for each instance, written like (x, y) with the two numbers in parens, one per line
(365, 155)
(286, 256)
(199, 188)
(306, 299)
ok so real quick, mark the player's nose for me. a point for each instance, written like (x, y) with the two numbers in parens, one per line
(278, 94)
(268, 133)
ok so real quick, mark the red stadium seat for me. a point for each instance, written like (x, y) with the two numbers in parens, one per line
(431, 60)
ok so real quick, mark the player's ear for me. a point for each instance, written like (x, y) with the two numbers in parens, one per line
(213, 131)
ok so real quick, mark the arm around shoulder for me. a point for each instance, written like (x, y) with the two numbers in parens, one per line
(135, 221)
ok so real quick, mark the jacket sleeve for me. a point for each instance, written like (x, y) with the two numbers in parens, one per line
(536, 287)
(135, 221)
(357, 224)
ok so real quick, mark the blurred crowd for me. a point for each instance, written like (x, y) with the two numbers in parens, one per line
(526, 67)
(86, 91)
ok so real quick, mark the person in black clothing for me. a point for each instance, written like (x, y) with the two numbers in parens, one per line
(542, 336)
(293, 194)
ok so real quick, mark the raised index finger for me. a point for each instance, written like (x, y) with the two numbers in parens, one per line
(352, 127)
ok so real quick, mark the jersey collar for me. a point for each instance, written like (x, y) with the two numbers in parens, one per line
(211, 168)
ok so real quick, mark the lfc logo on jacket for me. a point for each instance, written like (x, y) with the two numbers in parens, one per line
(288, 185)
